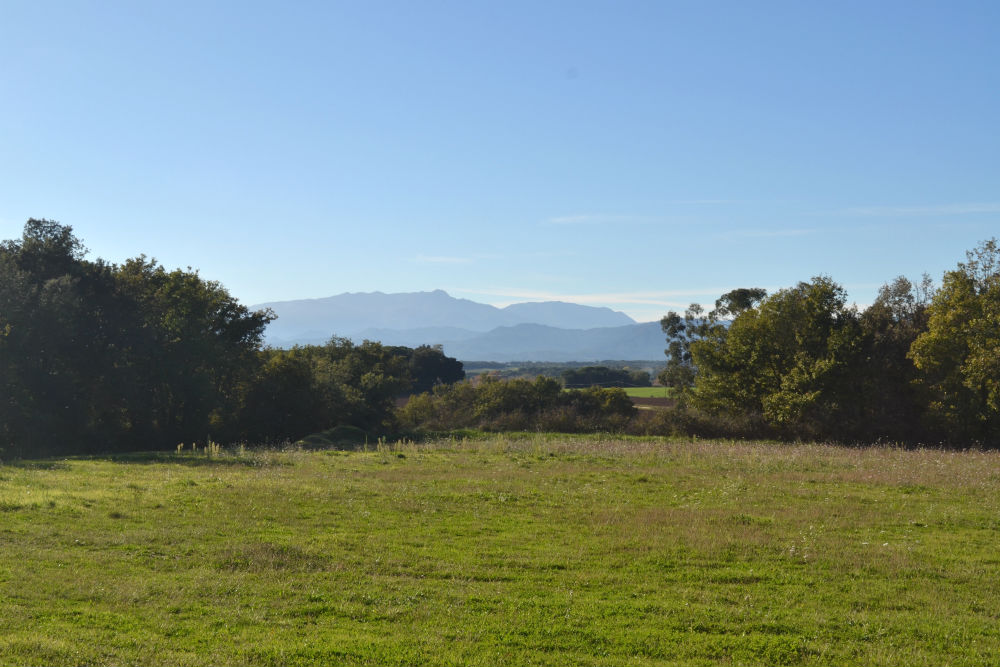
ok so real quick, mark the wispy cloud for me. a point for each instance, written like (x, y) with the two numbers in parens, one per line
(598, 219)
(763, 233)
(671, 298)
(439, 259)
(943, 209)
(702, 202)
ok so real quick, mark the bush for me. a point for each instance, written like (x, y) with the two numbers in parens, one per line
(518, 405)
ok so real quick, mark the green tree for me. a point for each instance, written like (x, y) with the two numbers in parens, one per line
(695, 324)
(891, 406)
(192, 348)
(97, 357)
(958, 356)
(787, 361)
(428, 366)
(602, 376)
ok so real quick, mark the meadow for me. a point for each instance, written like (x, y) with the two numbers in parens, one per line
(648, 392)
(514, 549)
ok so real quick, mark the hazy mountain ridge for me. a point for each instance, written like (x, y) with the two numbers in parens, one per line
(538, 342)
(534, 331)
(350, 313)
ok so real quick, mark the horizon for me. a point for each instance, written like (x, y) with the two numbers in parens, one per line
(639, 157)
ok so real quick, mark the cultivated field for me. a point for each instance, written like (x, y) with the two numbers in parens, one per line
(648, 392)
(506, 550)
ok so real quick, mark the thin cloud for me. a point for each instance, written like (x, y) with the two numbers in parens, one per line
(670, 298)
(945, 209)
(440, 259)
(593, 219)
(764, 233)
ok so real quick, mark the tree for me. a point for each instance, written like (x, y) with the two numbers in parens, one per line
(602, 376)
(192, 346)
(428, 366)
(958, 356)
(890, 403)
(97, 357)
(681, 332)
(786, 360)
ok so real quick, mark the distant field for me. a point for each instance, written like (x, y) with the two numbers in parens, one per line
(648, 392)
(506, 550)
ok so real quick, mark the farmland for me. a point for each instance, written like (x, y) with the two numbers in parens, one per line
(648, 392)
(516, 549)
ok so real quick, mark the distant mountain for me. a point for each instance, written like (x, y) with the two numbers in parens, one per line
(436, 315)
(546, 331)
(537, 342)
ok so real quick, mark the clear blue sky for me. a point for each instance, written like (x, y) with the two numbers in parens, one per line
(640, 155)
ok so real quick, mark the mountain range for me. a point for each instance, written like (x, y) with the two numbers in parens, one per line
(468, 330)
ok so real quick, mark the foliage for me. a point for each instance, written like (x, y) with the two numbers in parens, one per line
(98, 357)
(428, 366)
(682, 332)
(788, 359)
(890, 407)
(602, 376)
(959, 354)
(500, 405)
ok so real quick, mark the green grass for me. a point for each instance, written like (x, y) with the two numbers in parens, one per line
(648, 392)
(505, 550)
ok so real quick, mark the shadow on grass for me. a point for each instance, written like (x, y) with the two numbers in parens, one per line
(192, 460)
(184, 459)
(37, 465)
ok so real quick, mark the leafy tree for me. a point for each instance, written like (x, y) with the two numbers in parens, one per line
(602, 376)
(787, 360)
(885, 376)
(97, 357)
(59, 335)
(428, 366)
(958, 356)
(193, 346)
(681, 332)
(281, 401)
(358, 384)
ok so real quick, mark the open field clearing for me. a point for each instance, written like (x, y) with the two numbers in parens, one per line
(648, 392)
(506, 550)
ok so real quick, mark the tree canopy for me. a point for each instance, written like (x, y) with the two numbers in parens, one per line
(97, 357)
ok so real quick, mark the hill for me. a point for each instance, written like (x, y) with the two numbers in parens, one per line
(545, 331)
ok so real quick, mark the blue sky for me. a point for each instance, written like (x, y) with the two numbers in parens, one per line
(639, 155)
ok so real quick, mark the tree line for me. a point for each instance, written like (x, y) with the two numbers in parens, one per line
(920, 365)
(99, 357)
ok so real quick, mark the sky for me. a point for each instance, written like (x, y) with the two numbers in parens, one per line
(636, 155)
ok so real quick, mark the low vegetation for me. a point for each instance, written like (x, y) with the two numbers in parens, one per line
(512, 405)
(504, 550)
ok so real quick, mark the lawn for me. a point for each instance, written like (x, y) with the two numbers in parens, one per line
(506, 550)
(648, 392)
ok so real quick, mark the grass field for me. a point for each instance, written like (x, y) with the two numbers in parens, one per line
(506, 550)
(648, 392)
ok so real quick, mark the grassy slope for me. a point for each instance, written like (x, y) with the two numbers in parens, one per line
(505, 551)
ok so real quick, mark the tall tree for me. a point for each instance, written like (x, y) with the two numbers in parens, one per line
(959, 355)
(891, 405)
(95, 357)
(680, 370)
(787, 360)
